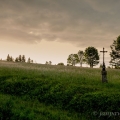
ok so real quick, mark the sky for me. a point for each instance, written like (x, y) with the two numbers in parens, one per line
(50, 30)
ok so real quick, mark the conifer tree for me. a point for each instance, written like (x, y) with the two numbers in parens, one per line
(11, 59)
(23, 58)
(20, 58)
(8, 57)
(16, 60)
(29, 60)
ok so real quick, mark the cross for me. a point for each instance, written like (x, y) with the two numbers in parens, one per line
(103, 55)
(104, 72)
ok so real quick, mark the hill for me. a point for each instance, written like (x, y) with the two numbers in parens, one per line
(52, 92)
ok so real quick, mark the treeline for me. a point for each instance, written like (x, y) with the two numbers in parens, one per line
(91, 57)
(50, 63)
(20, 58)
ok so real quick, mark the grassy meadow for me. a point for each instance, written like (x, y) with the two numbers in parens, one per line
(52, 92)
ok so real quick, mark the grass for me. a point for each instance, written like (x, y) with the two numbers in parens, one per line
(51, 92)
(17, 108)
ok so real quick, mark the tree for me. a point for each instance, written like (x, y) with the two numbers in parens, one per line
(11, 59)
(72, 59)
(60, 63)
(16, 60)
(115, 53)
(8, 57)
(46, 62)
(29, 60)
(20, 58)
(81, 57)
(23, 58)
(91, 56)
(50, 63)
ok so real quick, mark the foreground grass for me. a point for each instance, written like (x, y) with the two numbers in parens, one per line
(14, 108)
(63, 92)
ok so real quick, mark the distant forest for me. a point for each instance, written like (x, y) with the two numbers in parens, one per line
(20, 58)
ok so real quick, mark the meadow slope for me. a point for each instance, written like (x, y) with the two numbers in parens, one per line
(51, 92)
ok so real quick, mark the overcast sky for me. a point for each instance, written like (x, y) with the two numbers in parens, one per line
(50, 30)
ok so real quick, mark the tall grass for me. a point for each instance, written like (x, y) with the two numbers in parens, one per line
(13, 108)
(78, 91)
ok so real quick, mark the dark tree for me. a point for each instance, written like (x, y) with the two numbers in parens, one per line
(115, 53)
(20, 58)
(29, 60)
(8, 57)
(23, 58)
(11, 59)
(91, 56)
(46, 62)
(16, 60)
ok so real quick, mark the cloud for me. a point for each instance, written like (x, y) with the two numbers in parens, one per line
(80, 22)
(104, 6)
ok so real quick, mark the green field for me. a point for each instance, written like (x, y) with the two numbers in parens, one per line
(52, 92)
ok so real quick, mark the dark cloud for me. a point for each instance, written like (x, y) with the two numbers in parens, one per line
(80, 22)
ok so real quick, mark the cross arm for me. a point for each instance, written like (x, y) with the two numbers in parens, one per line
(103, 51)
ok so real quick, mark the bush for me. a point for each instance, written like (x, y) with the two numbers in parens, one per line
(60, 64)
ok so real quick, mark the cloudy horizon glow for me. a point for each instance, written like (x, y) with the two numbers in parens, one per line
(50, 30)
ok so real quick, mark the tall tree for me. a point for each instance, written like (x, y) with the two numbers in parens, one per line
(115, 52)
(23, 58)
(29, 60)
(91, 56)
(72, 59)
(8, 57)
(20, 58)
(81, 57)
(11, 59)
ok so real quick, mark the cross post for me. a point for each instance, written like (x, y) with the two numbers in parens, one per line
(103, 55)
(104, 72)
